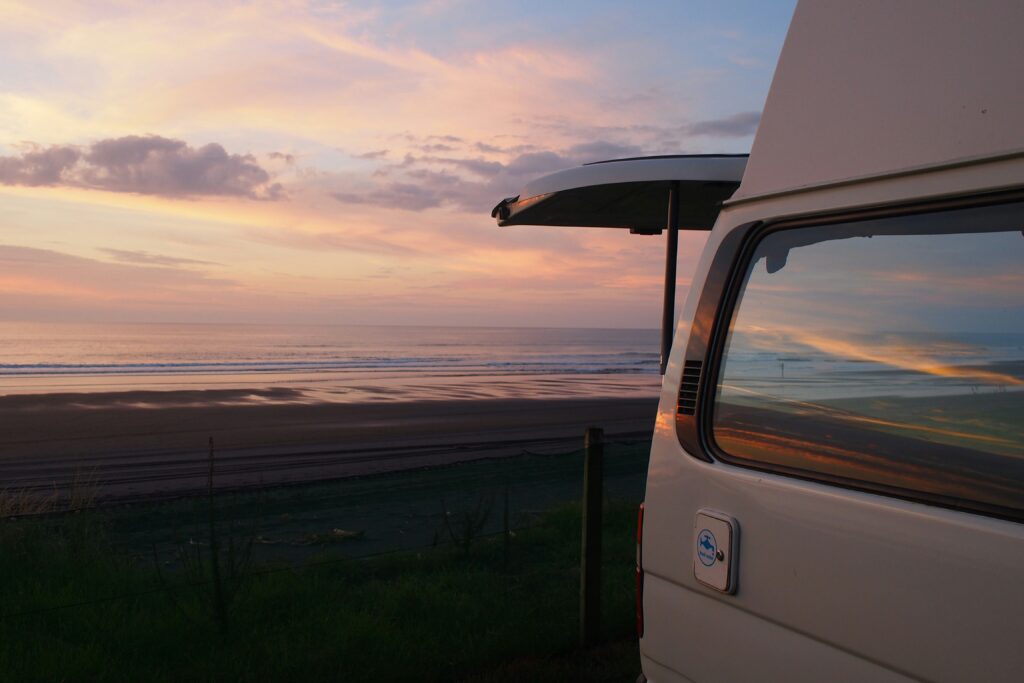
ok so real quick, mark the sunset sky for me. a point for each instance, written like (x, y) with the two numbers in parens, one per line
(337, 162)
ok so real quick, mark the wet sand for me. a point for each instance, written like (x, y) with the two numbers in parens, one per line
(153, 444)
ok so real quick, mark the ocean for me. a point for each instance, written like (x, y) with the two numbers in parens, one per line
(329, 362)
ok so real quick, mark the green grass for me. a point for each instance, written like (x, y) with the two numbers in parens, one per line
(614, 661)
(436, 615)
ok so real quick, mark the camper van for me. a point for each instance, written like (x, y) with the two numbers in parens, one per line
(836, 483)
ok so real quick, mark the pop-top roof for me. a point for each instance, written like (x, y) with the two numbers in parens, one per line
(868, 89)
(628, 193)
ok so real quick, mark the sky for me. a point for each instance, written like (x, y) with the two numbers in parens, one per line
(942, 305)
(321, 162)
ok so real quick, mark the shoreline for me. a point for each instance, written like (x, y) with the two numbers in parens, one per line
(352, 386)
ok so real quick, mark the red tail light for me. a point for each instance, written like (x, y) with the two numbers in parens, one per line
(640, 573)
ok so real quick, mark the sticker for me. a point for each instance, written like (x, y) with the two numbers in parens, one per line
(707, 547)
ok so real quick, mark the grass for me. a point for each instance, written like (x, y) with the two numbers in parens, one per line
(611, 662)
(388, 512)
(437, 615)
(80, 494)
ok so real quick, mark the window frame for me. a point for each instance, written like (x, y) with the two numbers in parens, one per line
(713, 317)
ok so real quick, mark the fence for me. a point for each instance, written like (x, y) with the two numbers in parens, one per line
(200, 551)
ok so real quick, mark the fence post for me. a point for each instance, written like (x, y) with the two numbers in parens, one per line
(590, 557)
(220, 608)
(506, 530)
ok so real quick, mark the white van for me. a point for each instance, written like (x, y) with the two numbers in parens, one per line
(836, 485)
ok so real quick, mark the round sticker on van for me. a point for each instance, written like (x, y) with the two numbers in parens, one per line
(707, 547)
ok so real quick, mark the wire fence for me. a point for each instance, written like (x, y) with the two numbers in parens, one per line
(272, 530)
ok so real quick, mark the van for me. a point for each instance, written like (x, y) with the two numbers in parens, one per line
(836, 482)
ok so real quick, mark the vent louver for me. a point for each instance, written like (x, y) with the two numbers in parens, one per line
(688, 387)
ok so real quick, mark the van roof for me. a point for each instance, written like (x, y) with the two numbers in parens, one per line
(856, 96)
(628, 193)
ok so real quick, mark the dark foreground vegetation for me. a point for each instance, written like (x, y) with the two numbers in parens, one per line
(490, 609)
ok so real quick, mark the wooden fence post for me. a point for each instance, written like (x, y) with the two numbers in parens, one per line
(590, 557)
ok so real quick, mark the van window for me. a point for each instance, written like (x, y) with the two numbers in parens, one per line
(885, 354)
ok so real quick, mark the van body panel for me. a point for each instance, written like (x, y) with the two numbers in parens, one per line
(752, 649)
(907, 588)
(654, 672)
(869, 86)
(986, 173)
(895, 583)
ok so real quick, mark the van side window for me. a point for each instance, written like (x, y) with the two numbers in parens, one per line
(886, 355)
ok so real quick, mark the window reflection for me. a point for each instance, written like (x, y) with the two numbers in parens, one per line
(887, 351)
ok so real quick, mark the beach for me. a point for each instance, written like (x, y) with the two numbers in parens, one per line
(130, 409)
(146, 444)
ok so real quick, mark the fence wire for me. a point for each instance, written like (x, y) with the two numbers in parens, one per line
(321, 524)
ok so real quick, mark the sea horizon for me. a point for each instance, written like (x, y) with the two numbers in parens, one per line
(328, 362)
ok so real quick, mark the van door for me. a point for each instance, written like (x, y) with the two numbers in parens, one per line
(851, 399)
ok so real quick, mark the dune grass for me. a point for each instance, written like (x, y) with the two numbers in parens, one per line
(437, 615)
(79, 494)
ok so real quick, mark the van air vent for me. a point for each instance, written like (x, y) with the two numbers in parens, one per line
(688, 387)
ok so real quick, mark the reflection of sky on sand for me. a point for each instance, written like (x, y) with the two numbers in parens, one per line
(432, 387)
(335, 387)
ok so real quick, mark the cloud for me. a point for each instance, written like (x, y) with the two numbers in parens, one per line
(600, 150)
(150, 165)
(283, 156)
(437, 147)
(471, 184)
(146, 258)
(488, 148)
(735, 126)
(39, 166)
(477, 166)
(376, 154)
(397, 195)
(446, 138)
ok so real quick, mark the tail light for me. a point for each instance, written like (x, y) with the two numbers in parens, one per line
(640, 573)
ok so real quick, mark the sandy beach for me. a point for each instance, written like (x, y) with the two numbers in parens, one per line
(153, 444)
